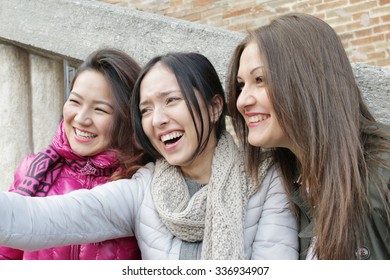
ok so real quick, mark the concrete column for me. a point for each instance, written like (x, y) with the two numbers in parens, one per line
(15, 123)
(47, 87)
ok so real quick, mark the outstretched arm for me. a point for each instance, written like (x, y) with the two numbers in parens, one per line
(82, 216)
(7, 253)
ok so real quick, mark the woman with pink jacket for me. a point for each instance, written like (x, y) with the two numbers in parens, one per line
(88, 149)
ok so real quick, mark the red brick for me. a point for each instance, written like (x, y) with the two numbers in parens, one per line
(358, 16)
(365, 6)
(333, 14)
(384, 2)
(376, 55)
(380, 10)
(237, 13)
(330, 5)
(239, 27)
(346, 36)
(364, 32)
(203, 2)
(366, 49)
(385, 18)
(382, 28)
(176, 4)
(372, 19)
(192, 17)
(368, 40)
(339, 29)
(383, 62)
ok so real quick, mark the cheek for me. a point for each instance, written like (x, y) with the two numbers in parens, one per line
(239, 106)
(67, 116)
(67, 112)
(147, 127)
(267, 102)
(107, 126)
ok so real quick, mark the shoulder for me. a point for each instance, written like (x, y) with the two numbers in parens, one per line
(268, 187)
(140, 181)
(26, 162)
(271, 180)
(145, 173)
(378, 188)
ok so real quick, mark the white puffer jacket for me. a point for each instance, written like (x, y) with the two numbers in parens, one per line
(125, 208)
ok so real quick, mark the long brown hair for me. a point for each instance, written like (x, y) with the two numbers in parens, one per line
(121, 72)
(336, 140)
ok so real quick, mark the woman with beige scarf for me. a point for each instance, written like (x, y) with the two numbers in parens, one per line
(195, 202)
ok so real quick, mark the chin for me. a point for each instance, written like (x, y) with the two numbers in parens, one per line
(254, 142)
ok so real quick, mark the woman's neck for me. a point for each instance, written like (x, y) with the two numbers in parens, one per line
(199, 169)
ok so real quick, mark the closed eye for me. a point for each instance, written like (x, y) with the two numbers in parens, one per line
(101, 110)
(145, 111)
(172, 99)
(74, 101)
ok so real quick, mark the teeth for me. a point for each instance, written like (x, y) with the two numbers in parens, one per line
(84, 134)
(258, 118)
(171, 136)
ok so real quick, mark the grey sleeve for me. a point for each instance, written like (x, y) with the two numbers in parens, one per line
(277, 234)
(82, 216)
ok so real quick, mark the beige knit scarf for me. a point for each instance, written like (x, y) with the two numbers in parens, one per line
(215, 214)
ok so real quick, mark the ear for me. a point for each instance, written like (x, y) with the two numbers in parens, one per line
(216, 107)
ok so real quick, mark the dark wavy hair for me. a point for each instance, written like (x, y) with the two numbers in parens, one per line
(121, 72)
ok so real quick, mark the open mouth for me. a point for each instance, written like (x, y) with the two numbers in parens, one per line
(171, 138)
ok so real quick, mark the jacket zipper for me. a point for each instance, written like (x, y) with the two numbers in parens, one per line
(75, 252)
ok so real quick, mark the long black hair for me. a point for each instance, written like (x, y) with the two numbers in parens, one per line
(193, 71)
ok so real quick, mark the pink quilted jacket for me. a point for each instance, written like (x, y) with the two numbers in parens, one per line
(74, 173)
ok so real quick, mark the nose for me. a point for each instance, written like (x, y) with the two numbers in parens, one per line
(159, 117)
(83, 117)
(245, 99)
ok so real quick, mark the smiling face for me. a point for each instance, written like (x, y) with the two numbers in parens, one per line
(88, 114)
(167, 122)
(254, 104)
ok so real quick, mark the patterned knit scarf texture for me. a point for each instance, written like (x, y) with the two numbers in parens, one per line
(47, 165)
(215, 214)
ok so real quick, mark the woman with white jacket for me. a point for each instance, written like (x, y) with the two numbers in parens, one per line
(194, 202)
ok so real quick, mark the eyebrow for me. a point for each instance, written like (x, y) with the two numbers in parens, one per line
(95, 101)
(254, 69)
(161, 95)
(251, 72)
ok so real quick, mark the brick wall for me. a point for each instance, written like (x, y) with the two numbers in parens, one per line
(363, 25)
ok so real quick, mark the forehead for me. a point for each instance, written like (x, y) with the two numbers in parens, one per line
(90, 77)
(250, 59)
(92, 84)
(159, 79)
